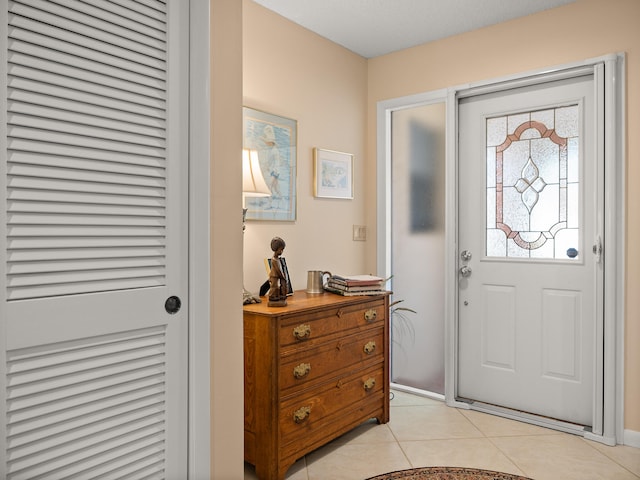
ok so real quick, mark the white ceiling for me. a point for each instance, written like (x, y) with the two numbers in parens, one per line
(376, 27)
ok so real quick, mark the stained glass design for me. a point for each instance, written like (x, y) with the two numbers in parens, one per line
(532, 184)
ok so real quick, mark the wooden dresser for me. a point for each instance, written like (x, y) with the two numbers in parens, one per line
(313, 370)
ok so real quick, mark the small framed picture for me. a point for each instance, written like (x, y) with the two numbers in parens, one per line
(285, 271)
(333, 174)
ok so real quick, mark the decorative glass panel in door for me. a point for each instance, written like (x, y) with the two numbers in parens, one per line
(532, 184)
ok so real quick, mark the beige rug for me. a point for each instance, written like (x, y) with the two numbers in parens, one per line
(447, 473)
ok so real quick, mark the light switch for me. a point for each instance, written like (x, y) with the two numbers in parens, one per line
(359, 233)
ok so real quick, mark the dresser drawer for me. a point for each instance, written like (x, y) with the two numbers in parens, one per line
(336, 321)
(339, 356)
(302, 418)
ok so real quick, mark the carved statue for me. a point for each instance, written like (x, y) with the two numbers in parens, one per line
(277, 280)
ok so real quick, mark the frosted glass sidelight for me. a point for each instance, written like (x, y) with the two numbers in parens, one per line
(418, 245)
(532, 189)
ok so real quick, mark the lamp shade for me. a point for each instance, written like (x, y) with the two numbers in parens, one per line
(253, 183)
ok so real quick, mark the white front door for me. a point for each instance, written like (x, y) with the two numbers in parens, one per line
(93, 237)
(529, 257)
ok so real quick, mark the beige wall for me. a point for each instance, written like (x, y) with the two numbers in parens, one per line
(581, 30)
(289, 71)
(332, 93)
(227, 435)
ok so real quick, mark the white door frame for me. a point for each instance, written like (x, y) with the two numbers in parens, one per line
(199, 403)
(608, 411)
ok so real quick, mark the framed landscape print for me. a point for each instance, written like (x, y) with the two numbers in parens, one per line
(274, 138)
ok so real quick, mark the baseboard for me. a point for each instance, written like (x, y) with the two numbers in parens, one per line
(631, 438)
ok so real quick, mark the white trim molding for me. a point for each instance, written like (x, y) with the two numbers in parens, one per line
(631, 438)
(199, 451)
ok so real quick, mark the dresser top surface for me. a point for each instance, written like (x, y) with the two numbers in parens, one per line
(302, 300)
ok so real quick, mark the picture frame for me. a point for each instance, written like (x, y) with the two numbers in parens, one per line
(333, 174)
(275, 139)
(285, 271)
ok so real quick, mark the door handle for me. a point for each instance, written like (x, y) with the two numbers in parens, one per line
(465, 271)
(597, 249)
(172, 304)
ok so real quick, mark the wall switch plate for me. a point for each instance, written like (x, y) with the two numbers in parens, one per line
(359, 233)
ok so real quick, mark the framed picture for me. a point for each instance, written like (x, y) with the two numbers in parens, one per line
(285, 271)
(275, 140)
(333, 174)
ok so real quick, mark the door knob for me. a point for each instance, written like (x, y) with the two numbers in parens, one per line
(465, 255)
(172, 304)
(465, 271)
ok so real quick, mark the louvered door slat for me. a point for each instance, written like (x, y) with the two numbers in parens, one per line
(60, 289)
(56, 130)
(143, 45)
(79, 209)
(88, 15)
(94, 143)
(147, 9)
(83, 231)
(66, 219)
(50, 387)
(29, 101)
(75, 463)
(88, 165)
(98, 176)
(15, 282)
(68, 151)
(48, 443)
(63, 357)
(126, 16)
(21, 268)
(90, 56)
(52, 86)
(92, 26)
(52, 254)
(95, 86)
(36, 415)
(77, 117)
(71, 186)
(28, 424)
(140, 465)
(16, 244)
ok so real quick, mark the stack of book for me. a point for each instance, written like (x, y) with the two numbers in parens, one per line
(355, 285)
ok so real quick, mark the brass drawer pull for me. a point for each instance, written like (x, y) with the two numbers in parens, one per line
(302, 370)
(371, 315)
(302, 332)
(370, 347)
(369, 384)
(301, 414)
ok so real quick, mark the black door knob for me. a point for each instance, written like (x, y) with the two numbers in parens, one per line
(172, 304)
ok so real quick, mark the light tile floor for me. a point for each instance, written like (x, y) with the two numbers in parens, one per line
(424, 432)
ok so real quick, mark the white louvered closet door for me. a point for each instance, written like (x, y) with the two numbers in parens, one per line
(93, 230)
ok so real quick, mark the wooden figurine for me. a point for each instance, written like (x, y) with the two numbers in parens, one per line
(277, 280)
